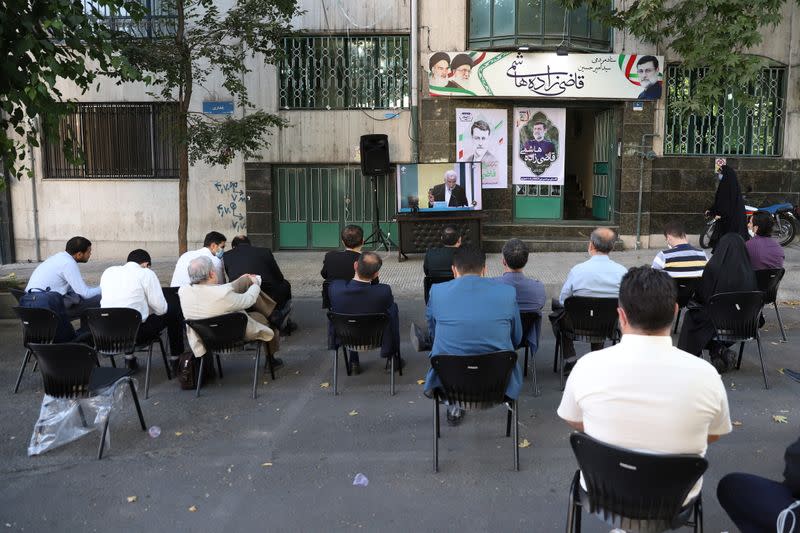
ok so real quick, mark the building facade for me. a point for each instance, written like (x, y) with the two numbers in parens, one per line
(356, 68)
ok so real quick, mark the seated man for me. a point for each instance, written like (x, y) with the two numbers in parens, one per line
(213, 248)
(754, 503)
(338, 264)
(764, 251)
(644, 394)
(246, 259)
(680, 259)
(68, 295)
(361, 295)
(472, 315)
(206, 298)
(599, 277)
(530, 292)
(135, 286)
(438, 260)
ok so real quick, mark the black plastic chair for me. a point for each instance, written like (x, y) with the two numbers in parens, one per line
(587, 319)
(224, 334)
(768, 281)
(70, 370)
(360, 333)
(735, 316)
(430, 281)
(112, 328)
(633, 490)
(16, 293)
(530, 320)
(39, 326)
(326, 301)
(475, 382)
(686, 289)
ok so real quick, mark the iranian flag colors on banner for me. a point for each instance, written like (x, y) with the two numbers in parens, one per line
(482, 136)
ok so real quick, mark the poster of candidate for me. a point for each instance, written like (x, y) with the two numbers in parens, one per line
(482, 137)
(538, 149)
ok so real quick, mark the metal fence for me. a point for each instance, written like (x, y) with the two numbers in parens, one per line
(730, 127)
(116, 140)
(159, 21)
(340, 72)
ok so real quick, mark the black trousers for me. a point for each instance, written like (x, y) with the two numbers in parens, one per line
(174, 323)
(754, 502)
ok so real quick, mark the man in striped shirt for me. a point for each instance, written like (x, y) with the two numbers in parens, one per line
(681, 259)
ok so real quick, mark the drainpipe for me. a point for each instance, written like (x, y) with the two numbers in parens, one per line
(414, 81)
(642, 156)
(35, 204)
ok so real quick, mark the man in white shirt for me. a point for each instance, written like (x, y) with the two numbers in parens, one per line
(60, 275)
(213, 248)
(135, 286)
(644, 394)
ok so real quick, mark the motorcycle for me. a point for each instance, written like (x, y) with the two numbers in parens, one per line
(783, 215)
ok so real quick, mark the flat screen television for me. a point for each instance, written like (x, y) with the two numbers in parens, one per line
(438, 187)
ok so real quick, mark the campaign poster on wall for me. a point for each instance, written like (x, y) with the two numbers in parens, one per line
(482, 137)
(538, 149)
(548, 75)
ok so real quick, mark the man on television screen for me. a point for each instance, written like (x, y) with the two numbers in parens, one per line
(449, 192)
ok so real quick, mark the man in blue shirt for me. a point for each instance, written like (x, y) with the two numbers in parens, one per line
(472, 315)
(599, 277)
(530, 292)
(60, 274)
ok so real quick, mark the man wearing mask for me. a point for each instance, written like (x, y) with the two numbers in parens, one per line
(213, 247)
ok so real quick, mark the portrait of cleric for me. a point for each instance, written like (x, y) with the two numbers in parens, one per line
(539, 143)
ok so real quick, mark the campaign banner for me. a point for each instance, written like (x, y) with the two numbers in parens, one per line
(547, 75)
(482, 137)
(538, 149)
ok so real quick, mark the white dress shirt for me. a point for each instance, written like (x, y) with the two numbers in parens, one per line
(646, 395)
(132, 286)
(60, 273)
(180, 277)
(447, 194)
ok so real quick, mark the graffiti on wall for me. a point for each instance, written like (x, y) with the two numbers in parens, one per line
(231, 206)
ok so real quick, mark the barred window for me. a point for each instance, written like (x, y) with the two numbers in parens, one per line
(543, 24)
(338, 72)
(730, 127)
(160, 20)
(117, 140)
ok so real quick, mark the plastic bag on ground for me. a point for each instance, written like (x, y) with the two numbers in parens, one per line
(64, 420)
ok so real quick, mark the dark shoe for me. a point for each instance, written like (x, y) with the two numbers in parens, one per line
(131, 363)
(455, 415)
(569, 364)
(355, 368)
(290, 326)
(277, 362)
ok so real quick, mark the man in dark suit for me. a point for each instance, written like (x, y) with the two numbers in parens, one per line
(338, 264)
(449, 191)
(438, 260)
(243, 258)
(360, 295)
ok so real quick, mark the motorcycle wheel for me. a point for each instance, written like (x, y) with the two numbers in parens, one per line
(784, 230)
(705, 237)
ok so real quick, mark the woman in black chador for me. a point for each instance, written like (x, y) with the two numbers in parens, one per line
(728, 270)
(729, 207)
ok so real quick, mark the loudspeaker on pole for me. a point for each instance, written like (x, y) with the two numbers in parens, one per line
(374, 155)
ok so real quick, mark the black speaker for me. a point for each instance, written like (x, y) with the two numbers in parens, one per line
(374, 155)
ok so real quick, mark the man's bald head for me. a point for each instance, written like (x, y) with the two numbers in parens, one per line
(603, 239)
(368, 265)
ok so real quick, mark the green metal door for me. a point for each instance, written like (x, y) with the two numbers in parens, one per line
(604, 163)
(313, 204)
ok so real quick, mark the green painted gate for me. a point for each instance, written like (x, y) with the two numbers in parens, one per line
(313, 204)
(604, 164)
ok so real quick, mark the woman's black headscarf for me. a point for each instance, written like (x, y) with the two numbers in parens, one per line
(729, 269)
(729, 205)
